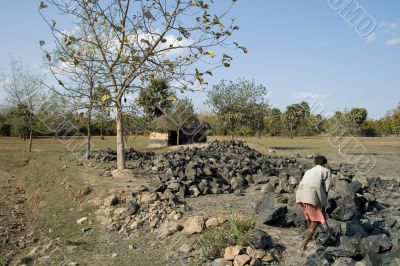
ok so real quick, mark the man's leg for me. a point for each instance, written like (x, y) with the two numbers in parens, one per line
(309, 234)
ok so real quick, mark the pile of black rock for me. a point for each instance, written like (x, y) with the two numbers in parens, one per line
(363, 218)
(109, 155)
(221, 167)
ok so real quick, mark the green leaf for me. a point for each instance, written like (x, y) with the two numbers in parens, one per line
(42, 5)
(244, 49)
(227, 65)
(210, 53)
(126, 59)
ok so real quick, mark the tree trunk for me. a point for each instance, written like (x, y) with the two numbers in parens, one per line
(258, 127)
(89, 134)
(177, 136)
(291, 131)
(101, 127)
(120, 137)
(30, 139)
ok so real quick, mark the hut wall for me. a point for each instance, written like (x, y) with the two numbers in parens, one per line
(158, 139)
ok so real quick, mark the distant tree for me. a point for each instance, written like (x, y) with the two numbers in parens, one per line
(26, 93)
(395, 121)
(256, 119)
(157, 97)
(317, 122)
(358, 117)
(134, 40)
(234, 102)
(275, 116)
(292, 118)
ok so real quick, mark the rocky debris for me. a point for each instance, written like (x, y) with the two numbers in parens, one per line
(130, 154)
(143, 211)
(250, 255)
(221, 167)
(365, 229)
(362, 229)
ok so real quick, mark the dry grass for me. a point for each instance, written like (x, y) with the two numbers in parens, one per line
(281, 145)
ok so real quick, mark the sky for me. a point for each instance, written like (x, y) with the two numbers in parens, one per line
(304, 49)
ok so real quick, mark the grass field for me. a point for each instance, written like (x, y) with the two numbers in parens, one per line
(282, 145)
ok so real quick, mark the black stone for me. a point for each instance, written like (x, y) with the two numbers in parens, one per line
(261, 240)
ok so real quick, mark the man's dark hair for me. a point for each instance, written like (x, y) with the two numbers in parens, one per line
(320, 160)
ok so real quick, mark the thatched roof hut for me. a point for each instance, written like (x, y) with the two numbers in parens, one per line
(167, 132)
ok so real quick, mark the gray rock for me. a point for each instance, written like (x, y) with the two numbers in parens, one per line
(267, 188)
(342, 261)
(261, 240)
(391, 258)
(375, 244)
(347, 207)
(354, 187)
(132, 207)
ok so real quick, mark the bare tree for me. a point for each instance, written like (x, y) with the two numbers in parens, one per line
(25, 91)
(135, 40)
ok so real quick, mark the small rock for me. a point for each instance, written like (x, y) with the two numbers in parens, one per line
(255, 253)
(267, 188)
(268, 258)
(193, 225)
(221, 262)
(119, 211)
(148, 197)
(255, 262)
(185, 249)
(212, 222)
(221, 219)
(241, 260)
(111, 201)
(81, 220)
(231, 252)
(167, 228)
(125, 173)
(114, 255)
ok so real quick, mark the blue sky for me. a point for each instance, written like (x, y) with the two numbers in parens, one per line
(296, 49)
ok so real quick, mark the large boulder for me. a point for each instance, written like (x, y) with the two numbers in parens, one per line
(348, 207)
(375, 244)
(269, 212)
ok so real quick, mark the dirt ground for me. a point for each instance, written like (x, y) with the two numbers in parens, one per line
(42, 196)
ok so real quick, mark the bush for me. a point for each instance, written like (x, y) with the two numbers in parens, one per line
(237, 231)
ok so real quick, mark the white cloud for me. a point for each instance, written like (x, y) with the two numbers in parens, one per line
(393, 41)
(371, 37)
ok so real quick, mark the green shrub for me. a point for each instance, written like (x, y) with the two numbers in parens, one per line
(237, 231)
